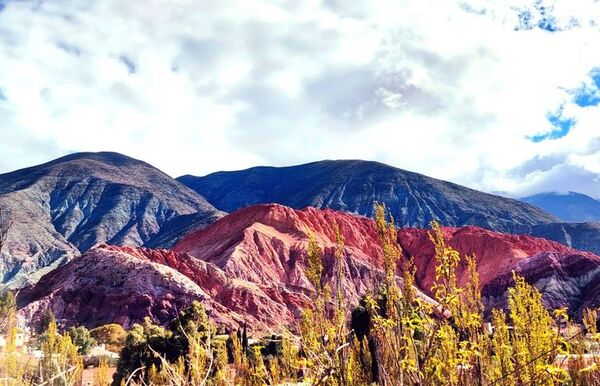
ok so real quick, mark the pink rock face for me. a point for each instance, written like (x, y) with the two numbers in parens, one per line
(125, 284)
(496, 253)
(108, 284)
(266, 245)
(253, 226)
(251, 266)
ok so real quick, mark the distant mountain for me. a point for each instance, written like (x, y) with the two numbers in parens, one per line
(354, 186)
(570, 207)
(581, 236)
(75, 202)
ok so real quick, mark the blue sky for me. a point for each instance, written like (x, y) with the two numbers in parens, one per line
(589, 94)
(498, 96)
(586, 96)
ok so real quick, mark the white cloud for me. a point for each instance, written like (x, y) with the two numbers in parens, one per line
(451, 89)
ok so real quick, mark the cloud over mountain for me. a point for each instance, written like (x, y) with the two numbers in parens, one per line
(495, 96)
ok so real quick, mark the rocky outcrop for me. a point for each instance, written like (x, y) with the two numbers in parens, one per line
(107, 285)
(266, 244)
(75, 202)
(123, 285)
(496, 253)
(569, 280)
(112, 284)
(354, 186)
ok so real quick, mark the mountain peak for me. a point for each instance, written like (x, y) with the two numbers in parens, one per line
(74, 202)
(107, 157)
(105, 165)
(355, 186)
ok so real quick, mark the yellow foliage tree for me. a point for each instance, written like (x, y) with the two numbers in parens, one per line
(61, 364)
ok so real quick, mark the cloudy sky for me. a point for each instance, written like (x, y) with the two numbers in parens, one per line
(495, 95)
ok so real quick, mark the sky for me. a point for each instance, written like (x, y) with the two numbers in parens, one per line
(500, 96)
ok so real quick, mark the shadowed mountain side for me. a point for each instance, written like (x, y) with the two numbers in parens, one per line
(354, 186)
(582, 236)
(73, 203)
(566, 280)
(569, 207)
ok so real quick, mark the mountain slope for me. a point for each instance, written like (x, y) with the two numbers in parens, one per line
(122, 285)
(570, 207)
(581, 236)
(72, 203)
(251, 266)
(566, 277)
(566, 280)
(266, 244)
(113, 284)
(354, 186)
(496, 253)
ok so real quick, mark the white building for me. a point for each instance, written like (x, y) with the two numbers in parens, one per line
(21, 341)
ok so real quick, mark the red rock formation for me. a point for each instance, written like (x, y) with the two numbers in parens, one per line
(266, 244)
(250, 266)
(249, 302)
(108, 284)
(496, 253)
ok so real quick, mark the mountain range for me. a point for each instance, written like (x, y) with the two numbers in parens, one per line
(354, 186)
(568, 207)
(64, 207)
(102, 237)
(250, 267)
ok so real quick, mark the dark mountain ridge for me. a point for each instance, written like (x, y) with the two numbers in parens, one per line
(354, 186)
(569, 207)
(583, 236)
